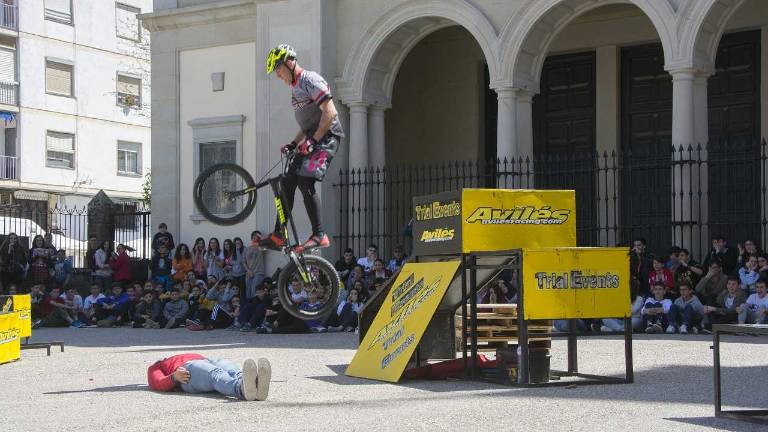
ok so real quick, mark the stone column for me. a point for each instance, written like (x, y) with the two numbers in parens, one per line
(376, 137)
(524, 124)
(506, 129)
(358, 135)
(101, 218)
(682, 107)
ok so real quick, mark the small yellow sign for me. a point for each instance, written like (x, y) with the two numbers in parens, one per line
(10, 339)
(402, 320)
(563, 283)
(504, 219)
(23, 305)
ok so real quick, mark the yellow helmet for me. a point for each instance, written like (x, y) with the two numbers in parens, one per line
(278, 55)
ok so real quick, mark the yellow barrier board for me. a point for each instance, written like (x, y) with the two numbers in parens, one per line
(562, 283)
(398, 327)
(10, 341)
(504, 219)
(23, 305)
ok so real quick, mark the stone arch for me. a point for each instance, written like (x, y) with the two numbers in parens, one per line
(372, 65)
(699, 41)
(527, 36)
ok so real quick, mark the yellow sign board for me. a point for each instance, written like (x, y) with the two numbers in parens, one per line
(562, 283)
(10, 339)
(504, 219)
(404, 315)
(23, 305)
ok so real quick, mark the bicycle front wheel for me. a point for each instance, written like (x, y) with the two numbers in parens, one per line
(225, 194)
(314, 299)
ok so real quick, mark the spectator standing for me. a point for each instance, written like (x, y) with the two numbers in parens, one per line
(62, 268)
(175, 311)
(228, 251)
(728, 257)
(640, 265)
(687, 310)
(345, 264)
(372, 253)
(182, 263)
(214, 258)
(398, 260)
(712, 284)
(104, 258)
(755, 309)
(688, 270)
(656, 309)
(238, 265)
(162, 237)
(724, 310)
(13, 261)
(121, 268)
(161, 266)
(254, 266)
(199, 264)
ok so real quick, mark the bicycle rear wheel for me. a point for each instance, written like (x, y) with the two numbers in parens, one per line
(321, 292)
(222, 195)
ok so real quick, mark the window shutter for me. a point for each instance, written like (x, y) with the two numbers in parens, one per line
(59, 10)
(128, 85)
(60, 142)
(7, 65)
(126, 22)
(58, 78)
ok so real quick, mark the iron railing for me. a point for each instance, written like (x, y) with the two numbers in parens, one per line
(677, 199)
(9, 168)
(69, 227)
(9, 16)
(9, 93)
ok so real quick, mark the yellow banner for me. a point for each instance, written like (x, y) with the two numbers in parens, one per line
(10, 341)
(503, 219)
(397, 329)
(23, 305)
(561, 283)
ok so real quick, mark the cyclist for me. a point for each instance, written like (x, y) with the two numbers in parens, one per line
(316, 142)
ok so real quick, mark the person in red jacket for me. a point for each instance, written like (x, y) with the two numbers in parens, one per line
(194, 373)
(660, 275)
(121, 268)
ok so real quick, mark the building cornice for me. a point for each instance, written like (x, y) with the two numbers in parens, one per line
(218, 12)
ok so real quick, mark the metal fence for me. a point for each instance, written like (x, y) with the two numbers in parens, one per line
(680, 198)
(9, 16)
(69, 229)
(9, 93)
(8, 167)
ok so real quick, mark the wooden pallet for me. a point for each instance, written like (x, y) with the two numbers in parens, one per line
(497, 327)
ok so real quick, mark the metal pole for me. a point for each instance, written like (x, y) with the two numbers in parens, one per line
(573, 361)
(716, 353)
(628, 361)
(463, 268)
(473, 310)
(523, 376)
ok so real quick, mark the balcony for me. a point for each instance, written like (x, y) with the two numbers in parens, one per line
(9, 93)
(9, 16)
(9, 168)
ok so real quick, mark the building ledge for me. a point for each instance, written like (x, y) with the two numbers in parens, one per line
(223, 11)
(9, 108)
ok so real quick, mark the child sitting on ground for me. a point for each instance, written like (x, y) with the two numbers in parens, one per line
(655, 309)
(686, 309)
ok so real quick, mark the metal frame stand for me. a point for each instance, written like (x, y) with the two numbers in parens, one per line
(748, 415)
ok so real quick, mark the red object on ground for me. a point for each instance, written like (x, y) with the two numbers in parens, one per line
(159, 374)
(447, 369)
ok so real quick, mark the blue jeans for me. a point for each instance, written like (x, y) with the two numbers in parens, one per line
(209, 375)
(251, 283)
(689, 316)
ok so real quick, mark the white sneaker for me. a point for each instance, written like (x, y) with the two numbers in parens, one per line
(670, 329)
(249, 386)
(695, 330)
(263, 379)
(683, 329)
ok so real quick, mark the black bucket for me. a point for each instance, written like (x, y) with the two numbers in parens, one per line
(538, 365)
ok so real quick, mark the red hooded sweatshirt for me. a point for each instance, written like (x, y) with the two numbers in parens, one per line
(160, 374)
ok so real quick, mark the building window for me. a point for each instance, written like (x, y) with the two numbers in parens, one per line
(59, 11)
(128, 91)
(60, 149)
(58, 78)
(127, 24)
(128, 158)
(211, 153)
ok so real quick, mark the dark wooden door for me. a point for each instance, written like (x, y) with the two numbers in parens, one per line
(733, 94)
(564, 135)
(646, 145)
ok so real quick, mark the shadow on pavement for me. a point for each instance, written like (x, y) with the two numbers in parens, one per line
(120, 388)
(718, 423)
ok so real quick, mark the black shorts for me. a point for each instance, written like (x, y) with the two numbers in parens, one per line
(315, 165)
